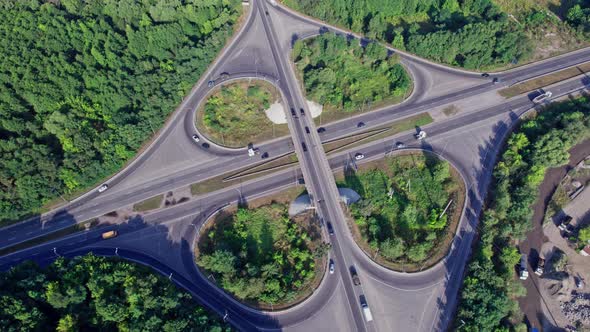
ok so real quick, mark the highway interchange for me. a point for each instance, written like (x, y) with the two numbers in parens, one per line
(421, 301)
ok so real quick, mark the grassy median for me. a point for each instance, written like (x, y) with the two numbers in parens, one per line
(544, 81)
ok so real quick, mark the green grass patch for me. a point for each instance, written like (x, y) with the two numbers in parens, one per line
(149, 204)
(544, 81)
(233, 114)
(260, 255)
(399, 219)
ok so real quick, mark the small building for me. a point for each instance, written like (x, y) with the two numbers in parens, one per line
(585, 251)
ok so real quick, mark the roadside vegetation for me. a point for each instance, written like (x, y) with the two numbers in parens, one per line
(149, 204)
(86, 83)
(343, 76)
(234, 115)
(93, 293)
(400, 213)
(262, 256)
(471, 34)
(542, 141)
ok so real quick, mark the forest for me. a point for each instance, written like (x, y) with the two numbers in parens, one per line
(260, 255)
(400, 211)
(93, 293)
(341, 75)
(490, 287)
(473, 34)
(85, 83)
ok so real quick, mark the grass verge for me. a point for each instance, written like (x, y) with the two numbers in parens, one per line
(397, 127)
(543, 81)
(149, 204)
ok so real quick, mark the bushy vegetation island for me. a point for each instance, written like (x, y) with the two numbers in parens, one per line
(234, 115)
(262, 256)
(342, 75)
(400, 213)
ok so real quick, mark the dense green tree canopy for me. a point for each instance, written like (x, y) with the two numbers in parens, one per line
(97, 294)
(489, 290)
(469, 33)
(84, 84)
(260, 255)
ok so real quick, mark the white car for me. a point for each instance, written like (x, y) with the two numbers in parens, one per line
(103, 188)
(251, 152)
(331, 267)
(421, 135)
(542, 97)
(196, 138)
(359, 156)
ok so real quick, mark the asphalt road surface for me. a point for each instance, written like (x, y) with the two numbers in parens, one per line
(247, 56)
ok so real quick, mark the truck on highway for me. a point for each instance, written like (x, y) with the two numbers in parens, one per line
(109, 235)
(524, 273)
(367, 312)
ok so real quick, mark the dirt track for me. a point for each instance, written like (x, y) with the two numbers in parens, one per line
(531, 304)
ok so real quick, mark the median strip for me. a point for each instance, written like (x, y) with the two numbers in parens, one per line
(545, 80)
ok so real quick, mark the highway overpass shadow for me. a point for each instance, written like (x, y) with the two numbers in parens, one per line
(165, 248)
(480, 172)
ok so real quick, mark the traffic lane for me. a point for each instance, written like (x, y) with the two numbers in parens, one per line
(334, 315)
(547, 66)
(70, 247)
(329, 208)
(307, 164)
(22, 231)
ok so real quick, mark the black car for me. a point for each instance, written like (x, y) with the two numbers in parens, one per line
(264, 155)
(321, 130)
(360, 124)
(485, 75)
(302, 111)
(355, 277)
(330, 228)
(293, 112)
(205, 145)
(304, 147)
(301, 181)
(307, 130)
(495, 80)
